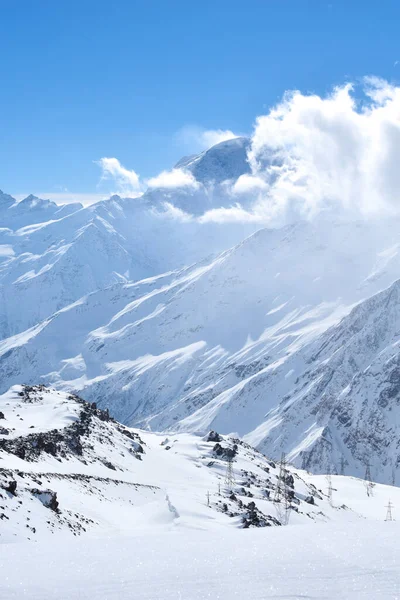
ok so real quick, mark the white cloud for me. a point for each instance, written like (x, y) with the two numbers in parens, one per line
(211, 137)
(233, 214)
(247, 184)
(196, 139)
(330, 153)
(176, 178)
(309, 154)
(175, 213)
(127, 182)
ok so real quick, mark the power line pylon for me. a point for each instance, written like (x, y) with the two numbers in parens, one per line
(280, 482)
(229, 479)
(288, 506)
(389, 516)
(368, 483)
(281, 493)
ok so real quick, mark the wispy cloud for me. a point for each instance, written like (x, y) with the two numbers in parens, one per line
(127, 181)
(175, 178)
(195, 139)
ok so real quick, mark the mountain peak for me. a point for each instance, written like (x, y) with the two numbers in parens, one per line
(226, 160)
(6, 199)
(33, 201)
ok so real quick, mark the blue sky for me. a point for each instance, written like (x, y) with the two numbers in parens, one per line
(129, 79)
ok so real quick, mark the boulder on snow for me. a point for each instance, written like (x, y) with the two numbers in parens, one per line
(225, 452)
(11, 487)
(213, 436)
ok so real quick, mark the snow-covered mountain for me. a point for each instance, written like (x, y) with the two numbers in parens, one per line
(212, 174)
(68, 468)
(224, 161)
(51, 256)
(224, 343)
(180, 325)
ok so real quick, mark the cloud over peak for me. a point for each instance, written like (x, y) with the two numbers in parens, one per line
(176, 178)
(197, 139)
(127, 181)
(309, 154)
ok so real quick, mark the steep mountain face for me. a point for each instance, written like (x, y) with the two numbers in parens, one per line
(342, 411)
(70, 469)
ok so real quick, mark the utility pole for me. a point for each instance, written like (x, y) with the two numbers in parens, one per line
(389, 516)
(208, 498)
(368, 483)
(229, 480)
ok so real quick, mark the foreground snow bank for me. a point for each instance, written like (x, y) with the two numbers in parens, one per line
(357, 561)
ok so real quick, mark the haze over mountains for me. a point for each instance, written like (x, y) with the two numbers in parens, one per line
(179, 323)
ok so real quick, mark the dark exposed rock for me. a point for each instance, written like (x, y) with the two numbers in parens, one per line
(213, 436)
(63, 442)
(225, 452)
(109, 465)
(288, 479)
(255, 518)
(11, 487)
(48, 498)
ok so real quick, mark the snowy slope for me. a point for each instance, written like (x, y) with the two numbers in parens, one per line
(344, 401)
(67, 468)
(56, 255)
(351, 562)
(113, 510)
